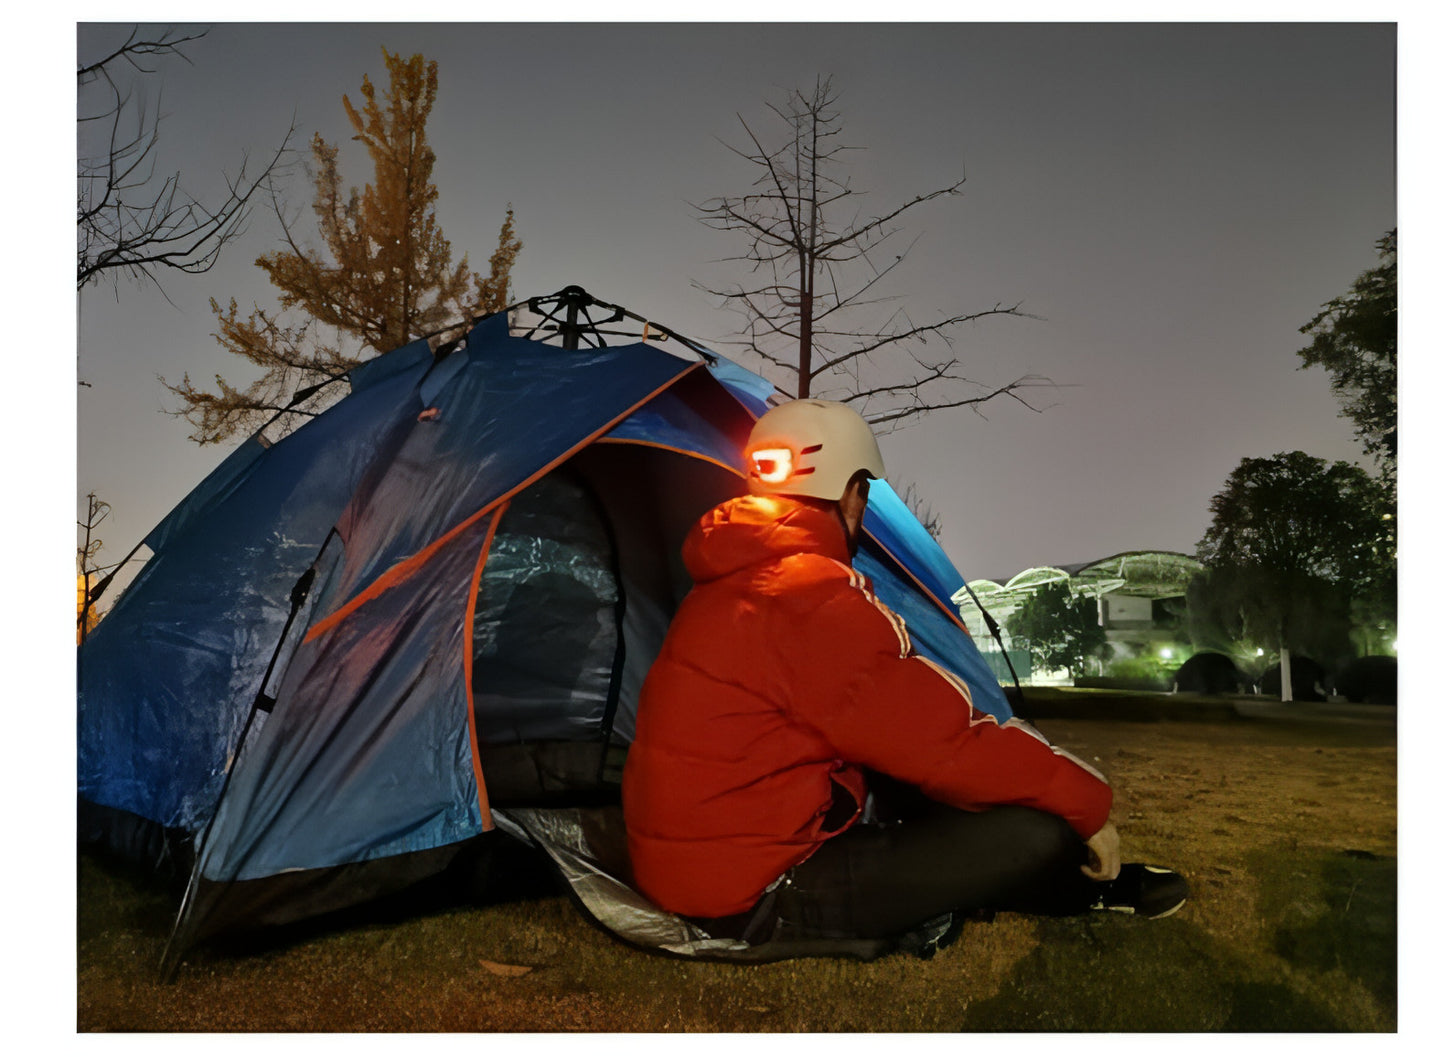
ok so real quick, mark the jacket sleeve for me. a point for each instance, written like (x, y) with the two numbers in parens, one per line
(879, 704)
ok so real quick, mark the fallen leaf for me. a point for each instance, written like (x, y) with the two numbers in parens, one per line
(501, 969)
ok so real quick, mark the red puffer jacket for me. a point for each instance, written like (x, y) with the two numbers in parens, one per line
(782, 676)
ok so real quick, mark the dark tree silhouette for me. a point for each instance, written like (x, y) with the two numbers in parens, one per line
(1296, 548)
(1355, 338)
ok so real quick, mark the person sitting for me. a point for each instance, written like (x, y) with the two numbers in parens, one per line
(799, 771)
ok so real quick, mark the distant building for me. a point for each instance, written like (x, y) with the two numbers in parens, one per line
(1140, 595)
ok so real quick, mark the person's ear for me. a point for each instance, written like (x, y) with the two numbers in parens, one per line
(854, 500)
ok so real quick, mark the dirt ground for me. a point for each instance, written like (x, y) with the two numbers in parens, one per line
(1286, 829)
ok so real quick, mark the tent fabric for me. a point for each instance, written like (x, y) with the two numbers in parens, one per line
(652, 496)
(167, 678)
(546, 628)
(392, 772)
(367, 752)
(507, 416)
(900, 558)
(212, 489)
(751, 390)
(493, 537)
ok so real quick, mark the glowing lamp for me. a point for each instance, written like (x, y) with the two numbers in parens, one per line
(773, 465)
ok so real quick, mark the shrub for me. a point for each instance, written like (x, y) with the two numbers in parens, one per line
(1145, 673)
(1210, 673)
(1305, 676)
(1372, 680)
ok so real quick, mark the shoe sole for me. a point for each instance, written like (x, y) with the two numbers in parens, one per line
(1147, 917)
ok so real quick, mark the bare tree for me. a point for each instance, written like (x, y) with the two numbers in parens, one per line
(88, 569)
(923, 510)
(128, 222)
(816, 282)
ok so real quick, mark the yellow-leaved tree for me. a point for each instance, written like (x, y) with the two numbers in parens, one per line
(384, 278)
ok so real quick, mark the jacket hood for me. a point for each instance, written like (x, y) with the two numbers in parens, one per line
(754, 529)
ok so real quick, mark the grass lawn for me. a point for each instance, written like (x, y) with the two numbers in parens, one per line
(1286, 829)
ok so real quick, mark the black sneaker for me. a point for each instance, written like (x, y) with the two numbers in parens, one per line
(1149, 891)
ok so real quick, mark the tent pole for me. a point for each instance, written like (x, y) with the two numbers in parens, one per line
(171, 956)
(571, 329)
(997, 637)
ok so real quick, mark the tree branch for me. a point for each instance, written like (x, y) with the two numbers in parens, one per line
(917, 331)
(166, 228)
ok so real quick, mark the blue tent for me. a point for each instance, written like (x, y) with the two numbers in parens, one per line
(425, 615)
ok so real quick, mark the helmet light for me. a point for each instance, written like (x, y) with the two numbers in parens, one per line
(773, 465)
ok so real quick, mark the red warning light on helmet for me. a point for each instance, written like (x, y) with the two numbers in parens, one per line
(772, 465)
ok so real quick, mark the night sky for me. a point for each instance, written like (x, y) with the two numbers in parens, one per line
(1174, 201)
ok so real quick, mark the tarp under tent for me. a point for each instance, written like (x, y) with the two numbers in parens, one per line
(424, 617)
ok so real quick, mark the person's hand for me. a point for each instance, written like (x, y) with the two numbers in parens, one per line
(1103, 864)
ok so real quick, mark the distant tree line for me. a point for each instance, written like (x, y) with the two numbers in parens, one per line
(1300, 556)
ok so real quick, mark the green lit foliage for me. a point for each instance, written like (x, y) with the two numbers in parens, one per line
(1148, 670)
(1058, 629)
(1355, 341)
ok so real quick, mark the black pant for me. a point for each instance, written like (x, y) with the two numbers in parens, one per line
(881, 879)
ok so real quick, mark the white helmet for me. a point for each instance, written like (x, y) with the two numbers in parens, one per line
(811, 448)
